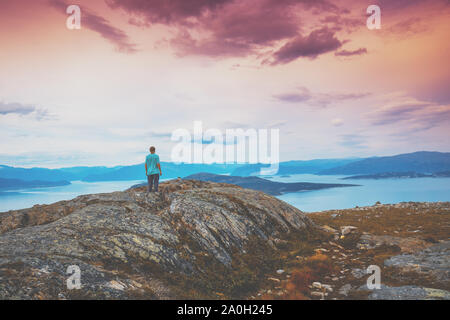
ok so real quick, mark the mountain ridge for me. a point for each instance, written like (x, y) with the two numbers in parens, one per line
(419, 162)
(431, 161)
(294, 166)
(399, 175)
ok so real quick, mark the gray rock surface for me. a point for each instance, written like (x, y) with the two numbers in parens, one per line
(127, 243)
(408, 293)
(433, 261)
(369, 241)
(345, 289)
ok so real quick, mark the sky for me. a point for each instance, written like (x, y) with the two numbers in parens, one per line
(137, 70)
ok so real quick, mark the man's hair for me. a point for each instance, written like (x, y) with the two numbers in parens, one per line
(152, 149)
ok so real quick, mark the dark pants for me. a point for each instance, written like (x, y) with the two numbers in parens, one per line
(153, 179)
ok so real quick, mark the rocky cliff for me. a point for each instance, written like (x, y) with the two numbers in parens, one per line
(192, 239)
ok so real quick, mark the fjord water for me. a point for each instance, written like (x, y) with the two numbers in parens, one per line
(369, 192)
(26, 198)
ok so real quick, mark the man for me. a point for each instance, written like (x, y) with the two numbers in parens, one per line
(152, 170)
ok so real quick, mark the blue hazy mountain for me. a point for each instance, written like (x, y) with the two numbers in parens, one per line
(295, 167)
(15, 184)
(169, 170)
(418, 162)
(399, 175)
(43, 174)
(118, 173)
(81, 172)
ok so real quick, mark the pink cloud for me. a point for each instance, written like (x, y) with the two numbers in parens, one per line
(318, 42)
(347, 53)
(410, 112)
(168, 12)
(237, 28)
(101, 26)
(303, 94)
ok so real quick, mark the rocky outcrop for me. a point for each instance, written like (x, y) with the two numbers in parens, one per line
(407, 293)
(408, 241)
(370, 241)
(432, 263)
(131, 244)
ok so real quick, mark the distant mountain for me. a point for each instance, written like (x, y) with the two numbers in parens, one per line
(295, 167)
(15, 184)
(43, 174)
(443, 174)
(267, 186)
(418, 162)
(388, 175)
(399, 175)
(118, 173)
(81, 172)
(133, 172)
(170, 170)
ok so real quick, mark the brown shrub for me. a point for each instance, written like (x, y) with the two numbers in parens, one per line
(314, 268)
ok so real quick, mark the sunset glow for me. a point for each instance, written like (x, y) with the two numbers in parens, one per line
(138, 70)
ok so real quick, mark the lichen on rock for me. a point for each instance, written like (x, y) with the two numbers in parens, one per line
(128, 244)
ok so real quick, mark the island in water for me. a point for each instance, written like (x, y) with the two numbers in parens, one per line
(402, 175)
(260, 184)
(17, 184)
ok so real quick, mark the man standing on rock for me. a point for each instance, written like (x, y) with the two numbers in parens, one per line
(152, 169)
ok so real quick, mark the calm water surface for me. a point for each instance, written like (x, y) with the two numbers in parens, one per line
(25, 198)
(369, 192)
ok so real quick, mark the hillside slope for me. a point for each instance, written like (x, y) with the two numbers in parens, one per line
(419, 162)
